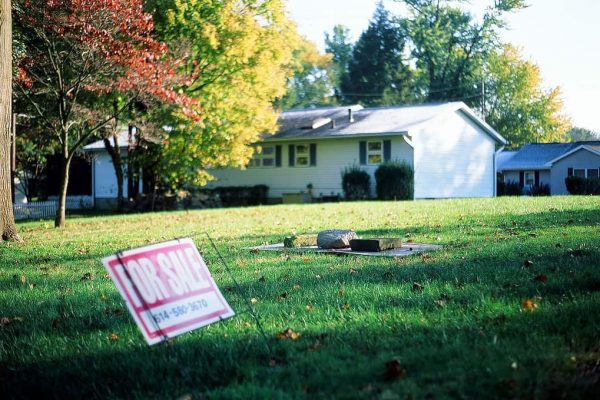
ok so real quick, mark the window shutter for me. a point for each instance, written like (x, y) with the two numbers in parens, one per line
(313, 154)
(570, 172)
(362, 150)
(292, 155)
(522, 178)
(387, 150)
(537, 178)
(278, 155)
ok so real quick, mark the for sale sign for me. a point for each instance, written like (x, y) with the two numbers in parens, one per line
(168, 289)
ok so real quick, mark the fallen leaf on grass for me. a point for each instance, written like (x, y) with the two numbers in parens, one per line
(345, 307)
(417, 286)
(113, 337)
(297, 286)
(440, 302)
(541, 278)
(393, 370)
(353, 271)
(288, 334)
(309, 307)
(88, 276)
(282, 296)
(529, 305)
(316, 346)
(23, 279)
(253, 301)
(306, 259)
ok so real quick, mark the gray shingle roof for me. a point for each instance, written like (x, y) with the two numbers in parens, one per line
(300, 124)
(538, 155)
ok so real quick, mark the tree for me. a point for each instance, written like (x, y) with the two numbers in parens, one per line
(244, 49)
(8, 230)
(340, 46)
(578, 134)
(450, 46)
(377, 73)
(517, 105)
(311, 83)
(78, 50)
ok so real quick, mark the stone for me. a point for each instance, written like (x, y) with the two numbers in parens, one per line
(300, 241)
(336, 238)
(376, 244)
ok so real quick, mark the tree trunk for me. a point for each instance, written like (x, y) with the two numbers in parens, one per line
(61, 213)
(8, 229)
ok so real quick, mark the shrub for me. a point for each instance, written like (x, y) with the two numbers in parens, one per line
(510, 188)
(575, 184)
(395, 181)
(539, 190)
(592, 186)
(356, 183)
(232, 196)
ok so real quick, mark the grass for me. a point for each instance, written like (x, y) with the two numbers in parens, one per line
(454, 319)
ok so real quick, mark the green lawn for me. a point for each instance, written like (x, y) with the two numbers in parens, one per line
(455, 319)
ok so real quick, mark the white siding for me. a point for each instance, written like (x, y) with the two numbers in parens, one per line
(105, 180)
(333, 155)
(453, 157)
(579, 159)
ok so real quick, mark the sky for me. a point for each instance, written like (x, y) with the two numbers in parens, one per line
(561, 36)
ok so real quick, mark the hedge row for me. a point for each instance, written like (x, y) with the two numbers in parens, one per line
(393, 181)
(579, 185)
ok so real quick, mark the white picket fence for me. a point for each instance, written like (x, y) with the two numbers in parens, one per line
(35, 210)
(47, 209)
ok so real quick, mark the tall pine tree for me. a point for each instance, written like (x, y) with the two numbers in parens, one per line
(377, 74)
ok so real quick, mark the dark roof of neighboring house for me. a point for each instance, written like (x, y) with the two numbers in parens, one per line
(541, 155)
(333, 122)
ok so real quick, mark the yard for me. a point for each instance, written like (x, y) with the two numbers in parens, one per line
(509, 308)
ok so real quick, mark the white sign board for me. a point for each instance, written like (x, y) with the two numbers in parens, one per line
(168, 289)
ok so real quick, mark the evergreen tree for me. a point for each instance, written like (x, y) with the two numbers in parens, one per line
(377, 74)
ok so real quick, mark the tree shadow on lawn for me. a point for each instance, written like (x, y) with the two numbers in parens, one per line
(452, 360)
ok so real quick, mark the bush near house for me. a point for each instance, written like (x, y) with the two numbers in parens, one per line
(232, 196)
(539, 190)
(578, 185)
(395, 181)
(356, 183)
(510, 188)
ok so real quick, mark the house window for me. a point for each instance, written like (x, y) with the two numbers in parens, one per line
(592, 173)
(263, 157)
(529, 178)
(579, 172)
(374, 152)
(302, 155)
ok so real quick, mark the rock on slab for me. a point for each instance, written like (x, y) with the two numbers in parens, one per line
(335, 238)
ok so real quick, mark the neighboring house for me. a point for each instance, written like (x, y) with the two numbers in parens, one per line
(549, 164)
(104, 179)
(450, 148)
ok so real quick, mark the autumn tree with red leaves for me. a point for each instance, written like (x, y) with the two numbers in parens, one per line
(80, 50)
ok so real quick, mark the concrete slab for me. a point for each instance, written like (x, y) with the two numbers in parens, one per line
(406, 250)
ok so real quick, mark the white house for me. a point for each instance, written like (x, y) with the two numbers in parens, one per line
(104, 179)
(452, 150)
(549, 164)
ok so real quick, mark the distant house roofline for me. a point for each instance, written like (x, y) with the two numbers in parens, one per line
(581, 147)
